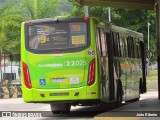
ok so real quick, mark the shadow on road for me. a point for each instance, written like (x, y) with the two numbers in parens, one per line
(82, 112)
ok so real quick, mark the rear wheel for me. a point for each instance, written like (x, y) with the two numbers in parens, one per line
(60, 108)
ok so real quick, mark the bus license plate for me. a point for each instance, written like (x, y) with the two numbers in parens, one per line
(74, 80)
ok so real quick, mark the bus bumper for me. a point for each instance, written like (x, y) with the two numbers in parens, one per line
(51, 95)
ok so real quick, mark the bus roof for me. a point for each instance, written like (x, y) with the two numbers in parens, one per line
(109, 26)
(125, 31)
(55, 19)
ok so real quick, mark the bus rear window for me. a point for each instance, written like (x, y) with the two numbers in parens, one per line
(57, 36)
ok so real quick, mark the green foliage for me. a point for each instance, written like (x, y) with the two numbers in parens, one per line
(77, 10)
(13, 13)
(153, 75)
(10, 21)
(41, 8)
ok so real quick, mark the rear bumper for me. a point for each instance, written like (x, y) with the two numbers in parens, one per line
(55, 95)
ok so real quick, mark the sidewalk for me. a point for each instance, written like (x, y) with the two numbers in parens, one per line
(152, 85)
(148, 108)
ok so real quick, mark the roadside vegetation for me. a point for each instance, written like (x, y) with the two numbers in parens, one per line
(152, 75)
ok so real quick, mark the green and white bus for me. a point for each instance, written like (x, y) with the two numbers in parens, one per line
(80, 61)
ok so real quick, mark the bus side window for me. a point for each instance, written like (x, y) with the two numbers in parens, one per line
(121, 45)
(103, 42)
(135, 48)
(115, 44)
(132, 44)
(132, 47)
(125, 46)
(99, 42)
(128, 47)
(139, 48)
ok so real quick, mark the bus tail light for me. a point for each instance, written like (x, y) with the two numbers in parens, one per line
(27, 80)
(91, 73)
(86, 19)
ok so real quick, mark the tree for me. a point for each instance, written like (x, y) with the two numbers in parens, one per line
(10, 22)
(41, 8)
(13, 13)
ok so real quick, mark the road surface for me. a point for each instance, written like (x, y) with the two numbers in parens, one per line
(77, 113)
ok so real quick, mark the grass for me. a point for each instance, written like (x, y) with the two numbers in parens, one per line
(152, 75)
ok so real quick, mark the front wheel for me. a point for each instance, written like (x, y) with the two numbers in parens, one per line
(60, 108)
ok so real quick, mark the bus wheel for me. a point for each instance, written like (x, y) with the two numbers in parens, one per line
(119, 93)
(60, 108)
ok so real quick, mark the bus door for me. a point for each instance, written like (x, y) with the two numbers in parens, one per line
(103, 64)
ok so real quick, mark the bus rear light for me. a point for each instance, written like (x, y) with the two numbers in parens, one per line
(27, 80)
(91, 92)
(91, 73)
(85, 19)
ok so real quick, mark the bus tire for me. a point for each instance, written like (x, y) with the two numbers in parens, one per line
(60, 108)
(119, 93)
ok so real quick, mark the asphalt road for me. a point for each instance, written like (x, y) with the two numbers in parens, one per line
(77, 113)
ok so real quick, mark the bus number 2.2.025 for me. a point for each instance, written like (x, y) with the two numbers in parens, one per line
(76, 63)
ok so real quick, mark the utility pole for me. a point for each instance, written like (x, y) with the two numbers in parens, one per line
(109, 14)
(148, 49)
(86, 11)
(148, 35)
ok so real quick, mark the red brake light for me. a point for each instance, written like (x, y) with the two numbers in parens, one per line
(27, 80)
(85, 19)
(91, 73)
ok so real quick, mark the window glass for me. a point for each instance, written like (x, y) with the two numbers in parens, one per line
(120, 46)
(103, 42)
(99, 42)
(57, 36)
(132, 47)
(115, 44)
(125, 46)
(129, 47)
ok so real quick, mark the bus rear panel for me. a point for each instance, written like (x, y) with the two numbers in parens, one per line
(59, 60)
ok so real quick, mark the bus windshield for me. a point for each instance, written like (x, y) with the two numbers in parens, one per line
(59, 35)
